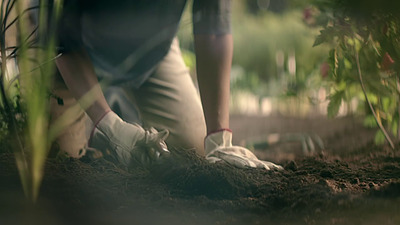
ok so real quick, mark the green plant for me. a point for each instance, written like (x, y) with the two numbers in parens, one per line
(364, 59)
(35, 61)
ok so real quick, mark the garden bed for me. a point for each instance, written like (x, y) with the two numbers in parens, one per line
(358, 186)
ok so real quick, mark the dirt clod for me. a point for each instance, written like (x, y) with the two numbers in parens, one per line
(291, 166)
(326, 174)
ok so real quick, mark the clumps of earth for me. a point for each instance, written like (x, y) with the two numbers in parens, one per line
(361, 188)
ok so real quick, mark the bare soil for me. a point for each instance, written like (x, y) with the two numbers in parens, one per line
(351, 181)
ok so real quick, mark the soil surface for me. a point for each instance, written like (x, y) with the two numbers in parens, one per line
(350, 181)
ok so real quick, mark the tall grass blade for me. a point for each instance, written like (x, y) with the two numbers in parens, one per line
(35, 85)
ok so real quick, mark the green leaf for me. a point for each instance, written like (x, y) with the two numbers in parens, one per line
(372, 98)
(375, 85)
(350, 41)
(319, 40)
(347, 64)
(334, 103)
(386, 103)
(341, 86)
(379, 138)
(394, 127)
(357, 45)
(325, 35)
(370, 121)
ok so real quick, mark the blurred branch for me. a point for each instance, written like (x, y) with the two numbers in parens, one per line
(368, 101)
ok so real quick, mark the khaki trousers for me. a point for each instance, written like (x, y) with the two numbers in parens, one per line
(167, 100)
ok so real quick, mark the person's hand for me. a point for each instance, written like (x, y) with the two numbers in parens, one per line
(128, 141)
(218, 146)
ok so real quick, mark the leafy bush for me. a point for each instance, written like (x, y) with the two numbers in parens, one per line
(364, 37)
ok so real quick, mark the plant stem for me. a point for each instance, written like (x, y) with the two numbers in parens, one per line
(20, 157)
(369, 103)
(3, 65)
(398, 107)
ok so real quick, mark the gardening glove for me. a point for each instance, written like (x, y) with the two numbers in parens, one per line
(128, 141)
(218, 146)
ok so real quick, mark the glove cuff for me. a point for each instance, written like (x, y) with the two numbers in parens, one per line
(96, 123)
(101, 118)
(108, 122)
(220, 138)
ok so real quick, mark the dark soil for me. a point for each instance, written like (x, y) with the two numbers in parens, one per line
(357, 186)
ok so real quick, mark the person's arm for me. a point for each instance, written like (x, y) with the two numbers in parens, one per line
(214, 49)
(123, 139)
(75, 65)
(79, 76)
(214, 59)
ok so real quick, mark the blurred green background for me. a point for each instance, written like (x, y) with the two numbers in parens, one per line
(275, 68)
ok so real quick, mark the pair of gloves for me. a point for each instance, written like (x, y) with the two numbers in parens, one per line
(126, 141)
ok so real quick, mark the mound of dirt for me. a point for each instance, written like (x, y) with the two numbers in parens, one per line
(350, 182)
(185, 189)
(190, 175)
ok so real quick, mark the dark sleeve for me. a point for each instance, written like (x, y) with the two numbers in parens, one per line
(69, 27)
(212, 16)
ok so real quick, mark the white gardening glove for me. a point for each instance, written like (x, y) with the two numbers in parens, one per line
(218, 146)
(126, 141)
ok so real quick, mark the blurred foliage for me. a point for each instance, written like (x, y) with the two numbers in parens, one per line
(364, 38)
(24, 110)
(261, 34)
(276, 6)
(265, 30)
(260, 40)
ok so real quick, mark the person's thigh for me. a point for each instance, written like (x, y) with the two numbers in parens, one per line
(169, 100)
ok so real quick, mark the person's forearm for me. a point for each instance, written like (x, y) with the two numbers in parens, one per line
(214, 60)
(80, 78)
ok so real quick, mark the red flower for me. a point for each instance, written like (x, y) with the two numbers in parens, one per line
(387, 62)
(307, 13)
(324, 69)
